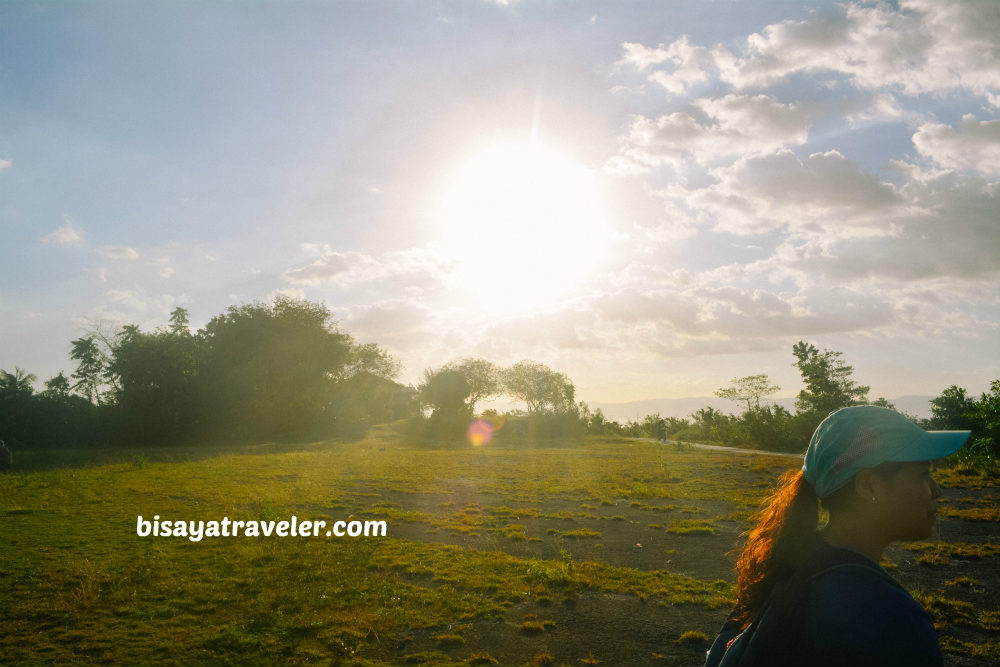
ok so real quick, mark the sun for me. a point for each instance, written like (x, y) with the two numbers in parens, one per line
(524, 227)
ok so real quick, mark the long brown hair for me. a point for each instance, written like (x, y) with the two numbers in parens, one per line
(778, 544)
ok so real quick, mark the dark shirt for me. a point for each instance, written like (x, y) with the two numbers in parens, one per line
(859, 616)
(839, 608)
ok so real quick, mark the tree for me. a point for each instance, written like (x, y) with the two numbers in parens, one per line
(90, 368)
(446, 392)
(58, 386)
(179, 320)
(20, 382)
(952, 410)
(829, 382)
(154, 376)
(482, 377)
(750, 390)
(267, 370)
(540, 387)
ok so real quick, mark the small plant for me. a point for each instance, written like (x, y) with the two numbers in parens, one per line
(481, 659)
(581, 533)
(964, 582)
(450, 639)
(533, 626)
(691, 527)
(542, 660)
(138, 461)
(590, 660)
(693, 639)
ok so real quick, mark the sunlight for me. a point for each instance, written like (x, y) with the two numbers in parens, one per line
(524, 226)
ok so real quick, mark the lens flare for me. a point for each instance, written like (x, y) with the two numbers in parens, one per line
(480, 432)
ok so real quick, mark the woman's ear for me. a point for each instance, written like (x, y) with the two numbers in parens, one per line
(866, 485)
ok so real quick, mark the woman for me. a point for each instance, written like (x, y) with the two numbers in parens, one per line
(818, 597)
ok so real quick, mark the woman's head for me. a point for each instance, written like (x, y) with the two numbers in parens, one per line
(864, 437)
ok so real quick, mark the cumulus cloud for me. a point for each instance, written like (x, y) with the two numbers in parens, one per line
(924, 47)
(947, 228)
(400, 325)
(714, 128)
(140, 302)
(351, 268)
(973, 145)
(5, 164)
(65, 235)
(687, 65)
(825, 193)
(119, 252)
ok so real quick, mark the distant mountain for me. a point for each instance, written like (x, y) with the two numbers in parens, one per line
(682, 408)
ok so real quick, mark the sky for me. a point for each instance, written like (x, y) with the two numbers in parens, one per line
(651, 197)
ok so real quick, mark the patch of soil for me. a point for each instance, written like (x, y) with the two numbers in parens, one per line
(619, 629)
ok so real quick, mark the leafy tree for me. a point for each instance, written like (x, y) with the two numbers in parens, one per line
(268, 369)
(750, 390)
(179, 320)
(483, 378)
(58, 386)
(829, 382)
(952, 410)
(446, 392)
(154, 376)
(540, 387)
(18, 383)
(89, 372)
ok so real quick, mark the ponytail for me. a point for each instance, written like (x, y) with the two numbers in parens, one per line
(777, 545)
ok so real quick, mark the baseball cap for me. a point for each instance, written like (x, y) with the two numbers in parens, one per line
(863, 436)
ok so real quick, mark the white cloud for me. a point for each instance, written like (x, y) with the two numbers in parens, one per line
(826, 194)
(119, 252)
(65, 235)
(689, 65)
(731, 125)
(287, 292)
(5, 164)
(139, 302)
(972, 145)
(418, 265)
(925, 47)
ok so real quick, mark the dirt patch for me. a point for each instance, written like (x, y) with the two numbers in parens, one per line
(620, 629)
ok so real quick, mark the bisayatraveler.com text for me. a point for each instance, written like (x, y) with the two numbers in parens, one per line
(197, 530)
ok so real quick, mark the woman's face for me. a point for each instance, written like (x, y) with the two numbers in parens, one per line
(907, 501)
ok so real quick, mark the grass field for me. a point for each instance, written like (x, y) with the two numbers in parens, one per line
(596, 552)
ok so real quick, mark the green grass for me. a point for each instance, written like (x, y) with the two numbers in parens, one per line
(78, 586)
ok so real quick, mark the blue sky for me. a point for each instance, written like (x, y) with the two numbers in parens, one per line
(650, 197)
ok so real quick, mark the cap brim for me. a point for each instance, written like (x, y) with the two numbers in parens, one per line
(934, 445)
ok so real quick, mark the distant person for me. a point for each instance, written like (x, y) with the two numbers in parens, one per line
(6, 457)
(819, 597)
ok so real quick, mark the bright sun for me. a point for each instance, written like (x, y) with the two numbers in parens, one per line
(524, 226)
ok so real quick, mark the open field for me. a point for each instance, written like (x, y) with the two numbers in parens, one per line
(605, 552)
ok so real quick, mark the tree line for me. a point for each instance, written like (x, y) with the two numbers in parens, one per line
(255, 372)
(829, 385)
(286, 371)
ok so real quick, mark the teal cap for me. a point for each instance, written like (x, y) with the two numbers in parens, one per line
(863, 436)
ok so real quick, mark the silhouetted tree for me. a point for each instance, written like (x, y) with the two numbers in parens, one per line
(89, 372)
(268, 368)
(750, 390)
(829, 382)
(540, 387)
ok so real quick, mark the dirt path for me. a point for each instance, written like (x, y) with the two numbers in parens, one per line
(719, 448)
